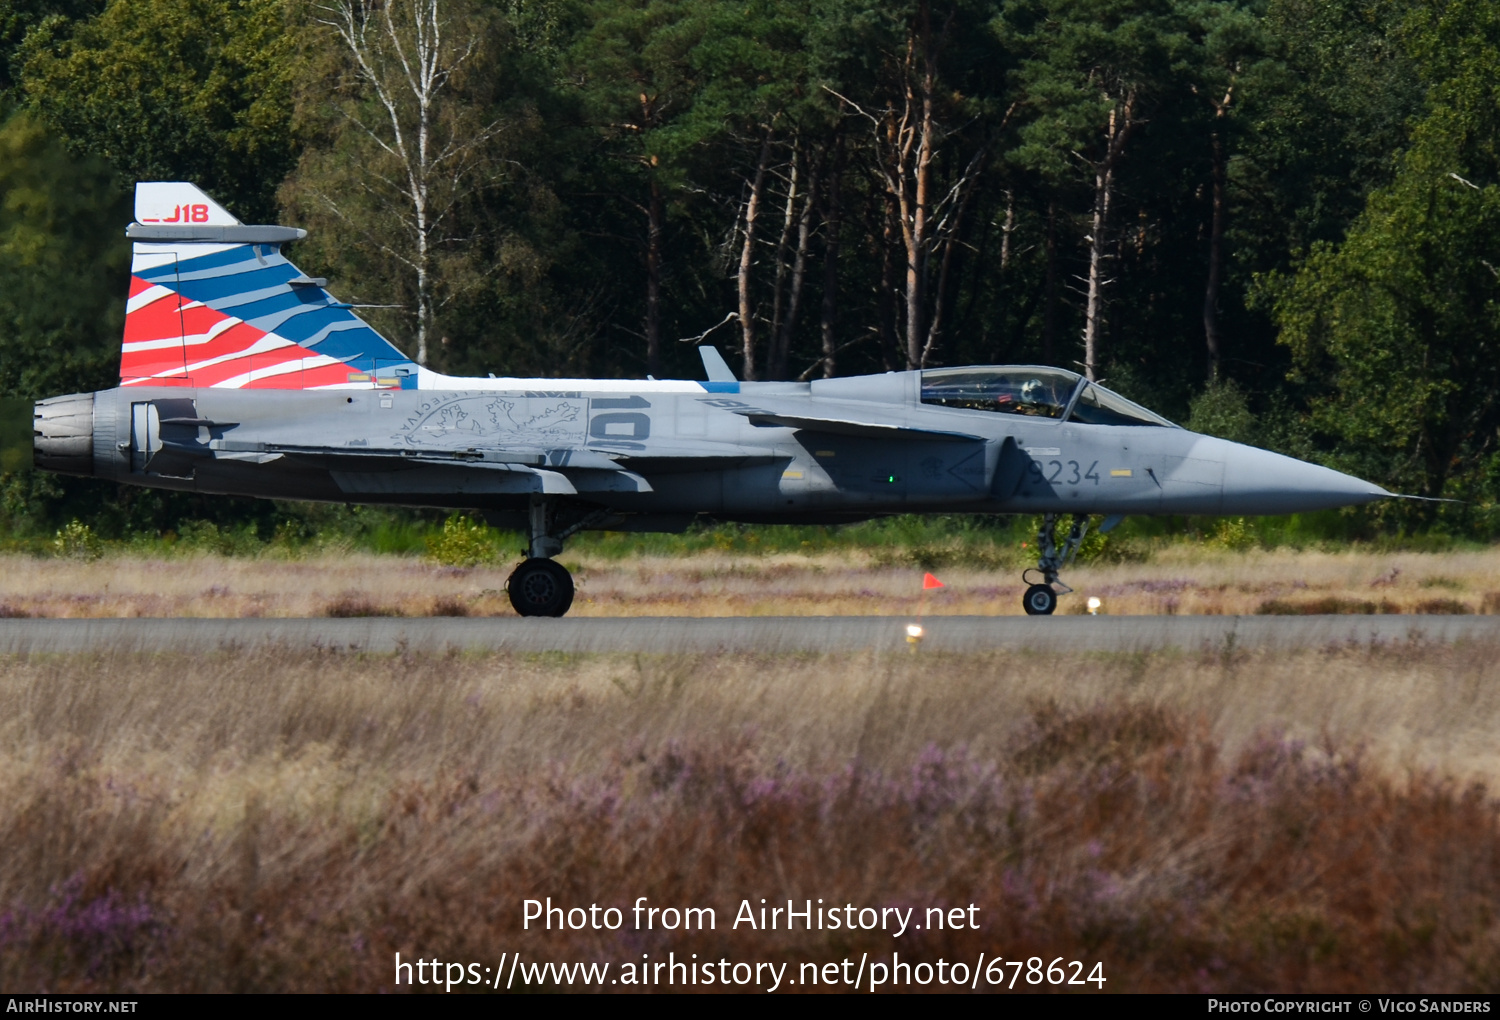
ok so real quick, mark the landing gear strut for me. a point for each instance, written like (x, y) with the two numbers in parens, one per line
(1041, 597)
(541, 586)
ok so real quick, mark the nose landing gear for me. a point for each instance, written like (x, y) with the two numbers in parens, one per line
(1041, 597)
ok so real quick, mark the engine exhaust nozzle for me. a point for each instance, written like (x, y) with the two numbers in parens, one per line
(62, 434)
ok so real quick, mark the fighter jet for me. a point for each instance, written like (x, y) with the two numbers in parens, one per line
(241, 375)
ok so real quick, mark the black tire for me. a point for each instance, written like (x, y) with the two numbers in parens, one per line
(540, 587)
(1039, 600)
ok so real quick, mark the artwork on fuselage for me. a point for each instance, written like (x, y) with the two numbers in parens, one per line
(468, 420)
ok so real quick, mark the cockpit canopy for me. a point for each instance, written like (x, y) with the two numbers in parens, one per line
(1034, 391)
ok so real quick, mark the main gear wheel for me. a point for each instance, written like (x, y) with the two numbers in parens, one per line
(540, 587)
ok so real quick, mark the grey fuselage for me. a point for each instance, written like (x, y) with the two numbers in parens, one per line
(655, 456)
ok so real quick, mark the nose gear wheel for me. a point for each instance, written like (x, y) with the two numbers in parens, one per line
(1039, 600)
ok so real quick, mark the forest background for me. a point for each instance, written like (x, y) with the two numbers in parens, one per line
(1276, 221)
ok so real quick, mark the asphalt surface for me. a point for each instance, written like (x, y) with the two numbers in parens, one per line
(739, 634)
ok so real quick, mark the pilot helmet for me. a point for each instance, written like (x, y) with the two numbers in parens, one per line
(1032, 392)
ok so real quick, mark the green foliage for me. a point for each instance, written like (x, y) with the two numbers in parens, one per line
(1000, 544)
(463, 543)
(19, 17)
(1222, 410)
(195, 90)
(229, 540)
(77, 540)
(25, 499)
(1402, 318)
(1325, 121)
(1233, 533)
(15, 435)
(1081, 61)
(63, 265)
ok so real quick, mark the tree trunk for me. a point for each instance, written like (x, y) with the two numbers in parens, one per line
(831, 214)
(747, 260)
(1215, 255)
(885, 303)
(914, 218)
(419, 185)
(1049, 309)
(775, 359)
(799, 265)
(949, 237)
(424, 300)
(1104, 180)
(653, 279)
(1007, 230)
(1120, 123)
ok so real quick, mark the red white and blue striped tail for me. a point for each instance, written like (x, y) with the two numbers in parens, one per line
(214, 303)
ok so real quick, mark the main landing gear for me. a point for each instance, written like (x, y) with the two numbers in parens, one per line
(541, 586)
(1041, 597)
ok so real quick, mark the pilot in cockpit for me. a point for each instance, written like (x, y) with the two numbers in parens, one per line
(1035, 399)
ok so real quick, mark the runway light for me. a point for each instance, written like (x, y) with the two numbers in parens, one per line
(1093, 606)
(913, 635)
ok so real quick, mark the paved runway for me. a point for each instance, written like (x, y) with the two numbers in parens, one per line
(740, 634)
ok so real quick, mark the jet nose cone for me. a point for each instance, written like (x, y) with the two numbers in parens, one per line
(1261, 482)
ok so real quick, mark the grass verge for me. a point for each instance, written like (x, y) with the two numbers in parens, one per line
(289, 821)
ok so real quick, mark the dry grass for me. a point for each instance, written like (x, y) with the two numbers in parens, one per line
(1186, 579)
(1233, 821)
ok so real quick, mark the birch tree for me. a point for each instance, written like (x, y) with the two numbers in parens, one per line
(924, 162)
(753, 102)
(413, 142)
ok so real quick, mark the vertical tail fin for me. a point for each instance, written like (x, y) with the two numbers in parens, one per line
(214, 303)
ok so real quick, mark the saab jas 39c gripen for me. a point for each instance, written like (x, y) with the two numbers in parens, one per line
(241, 375)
